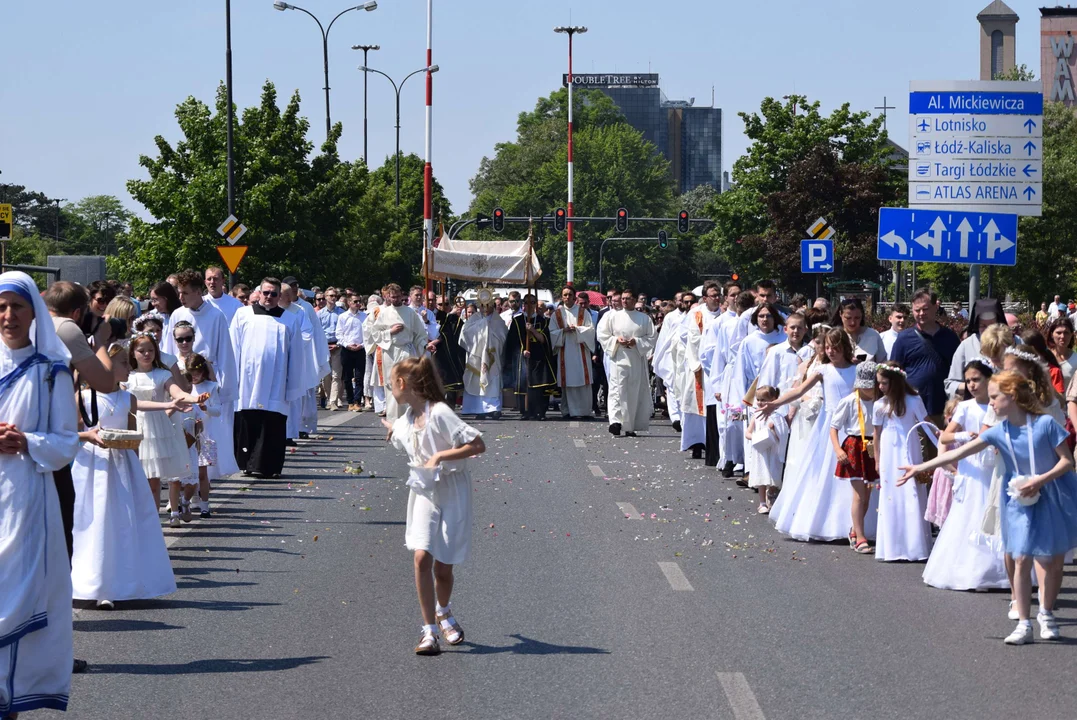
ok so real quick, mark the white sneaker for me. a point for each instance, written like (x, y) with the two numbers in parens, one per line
(1012, 614)
(174, 520)
(105, 605)
(1048, 625)
(1021, 634)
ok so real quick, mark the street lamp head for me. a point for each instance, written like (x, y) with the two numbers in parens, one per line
(364, 68)
(366, 47)
(368, 6)
(281, 5)
(570, 29)
(433, 69)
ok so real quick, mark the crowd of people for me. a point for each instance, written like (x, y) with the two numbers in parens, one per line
(833, 424)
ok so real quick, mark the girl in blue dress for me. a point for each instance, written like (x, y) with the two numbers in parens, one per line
(1039, 495)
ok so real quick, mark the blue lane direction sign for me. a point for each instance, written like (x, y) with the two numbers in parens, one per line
(816, 256)
(947, 236)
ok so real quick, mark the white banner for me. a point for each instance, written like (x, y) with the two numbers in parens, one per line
(495, 261)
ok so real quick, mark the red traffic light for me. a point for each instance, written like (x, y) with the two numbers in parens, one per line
(499, 220)
(498, 212)
(622, 213)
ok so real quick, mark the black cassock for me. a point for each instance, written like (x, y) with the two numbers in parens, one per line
(449, 355)
(531, 377)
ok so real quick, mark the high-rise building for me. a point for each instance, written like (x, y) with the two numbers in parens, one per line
(689, 136)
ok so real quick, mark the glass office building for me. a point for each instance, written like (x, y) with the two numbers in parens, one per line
(689, 137)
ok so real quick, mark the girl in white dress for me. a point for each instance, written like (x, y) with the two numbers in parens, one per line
(198, 372)
(903, 533)
(958, 561)
(769, 438)
(119, 548)
(163, 451)
(438, 444)
(819, 505)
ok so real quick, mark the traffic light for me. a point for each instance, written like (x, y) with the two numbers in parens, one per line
(622, 220)
(663, 239)
(682, 221)
(736, 277)
(559, 219)
(499, 220)
(5, 229)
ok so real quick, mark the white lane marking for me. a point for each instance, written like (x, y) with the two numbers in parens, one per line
(596, 471)
(675, 576)
(579, 443)
(574, 423)
(629, 510)
(740, 696)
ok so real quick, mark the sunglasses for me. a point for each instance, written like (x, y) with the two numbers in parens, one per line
(271, 293)
(184, 338)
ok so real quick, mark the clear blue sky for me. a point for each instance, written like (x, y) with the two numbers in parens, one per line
(88, 84)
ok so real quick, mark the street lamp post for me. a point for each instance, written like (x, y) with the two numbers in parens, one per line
(58, 201)
(570, 31)
(282, 6)
(365, 49)
(397, 89)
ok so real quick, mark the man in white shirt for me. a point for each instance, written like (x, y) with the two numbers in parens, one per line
(898, 315)
(712, 355)
(627, 336)
(513, 309)
(271, 358)
(216, 295)
(1056, 308)
(693, 392)
(352, 351)
(572, 336)
(429, 316)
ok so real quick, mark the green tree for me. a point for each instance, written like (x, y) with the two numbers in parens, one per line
(783, 135)
(314, 217)
(1047, 245)
(402, 255)
(614, 167)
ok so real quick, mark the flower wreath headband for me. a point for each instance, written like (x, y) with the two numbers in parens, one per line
(893, 370)
(1026, 356)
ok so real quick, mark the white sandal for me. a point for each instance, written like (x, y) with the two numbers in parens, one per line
(454, 634)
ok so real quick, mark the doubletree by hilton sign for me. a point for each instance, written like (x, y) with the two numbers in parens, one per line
(602, 80)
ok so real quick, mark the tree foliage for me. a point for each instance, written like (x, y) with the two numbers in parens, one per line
(315, 217)
(802, 165)
(614, 167)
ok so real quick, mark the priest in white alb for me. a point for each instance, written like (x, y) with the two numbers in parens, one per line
(216, 294)
(693, 386)
(483, 340)
(396, 332)
(293, 315)
(271, 362)
(626, 337)
(320, 346)
(664, 362)
(572, 336)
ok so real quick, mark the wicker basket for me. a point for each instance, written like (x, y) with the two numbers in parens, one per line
(116, 440)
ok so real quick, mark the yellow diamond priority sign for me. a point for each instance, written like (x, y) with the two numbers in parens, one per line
(231, 229)
(821, 230)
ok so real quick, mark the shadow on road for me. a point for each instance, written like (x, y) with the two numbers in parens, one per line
(122, 625)
(202, 667)
(529, 646)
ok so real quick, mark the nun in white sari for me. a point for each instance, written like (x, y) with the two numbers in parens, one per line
(38, 435)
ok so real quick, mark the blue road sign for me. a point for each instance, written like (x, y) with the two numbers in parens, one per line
(976, 102)
(947, 236)
(816, 256)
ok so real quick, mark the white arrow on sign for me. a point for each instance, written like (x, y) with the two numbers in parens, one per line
(933, 239)
(995, 240)
(826, 267)
(964, 230)
(894, 240)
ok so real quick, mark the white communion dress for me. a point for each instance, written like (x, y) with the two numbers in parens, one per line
(163, 452)
(119, 548)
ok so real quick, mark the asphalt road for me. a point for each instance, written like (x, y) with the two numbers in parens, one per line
(610, 578)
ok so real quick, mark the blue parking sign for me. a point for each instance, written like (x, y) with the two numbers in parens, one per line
(816, 256)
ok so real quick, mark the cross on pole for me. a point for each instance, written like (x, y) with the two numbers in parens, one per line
(884, 107)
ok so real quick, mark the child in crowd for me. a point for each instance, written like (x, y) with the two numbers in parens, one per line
(770, 438)
(851, 433)
(197, 370)
(119, 551)
(163, 451)
(994, 341)
(940, 496)
(1039, 501)
(438, 444)
(959, 561)
(903, 532)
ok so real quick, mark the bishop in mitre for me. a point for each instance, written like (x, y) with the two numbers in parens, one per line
(397, 332)
(572, 335)
(483, 340)
(627, 336)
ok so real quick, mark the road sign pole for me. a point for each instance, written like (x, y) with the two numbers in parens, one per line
(817, 284)
(897, 282)
(974, 285)
(228, 132)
